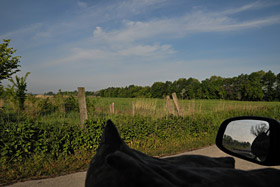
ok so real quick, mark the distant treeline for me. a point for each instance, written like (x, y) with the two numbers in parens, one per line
(257, 86)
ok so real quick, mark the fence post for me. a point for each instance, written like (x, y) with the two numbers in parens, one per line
(113, 107)
(133, 108)
(175, 99)
(82, 105)
(168, 105)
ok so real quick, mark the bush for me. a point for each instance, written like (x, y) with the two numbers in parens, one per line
(19, 141)
(45, 106)
(71, 104)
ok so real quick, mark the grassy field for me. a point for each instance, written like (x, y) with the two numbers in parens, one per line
(158, 108)
(46, 139)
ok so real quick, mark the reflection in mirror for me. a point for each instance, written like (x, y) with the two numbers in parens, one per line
(249, 138)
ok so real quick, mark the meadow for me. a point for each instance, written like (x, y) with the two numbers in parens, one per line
(46, 139)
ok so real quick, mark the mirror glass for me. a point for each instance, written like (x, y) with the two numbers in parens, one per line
(249, 138)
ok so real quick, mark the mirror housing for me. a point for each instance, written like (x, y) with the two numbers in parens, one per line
(268, 139)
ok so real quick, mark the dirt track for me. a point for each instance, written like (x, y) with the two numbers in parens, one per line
(77, 179)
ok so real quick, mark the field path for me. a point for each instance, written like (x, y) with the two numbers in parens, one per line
(78, 179)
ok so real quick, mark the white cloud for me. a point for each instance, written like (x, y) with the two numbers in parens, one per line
(193, 23)
(252, 6)
(138, 39)
(147, 50)
(111, 57)
(82, 19)
(42, 34)
(22, 32)
(82, 4)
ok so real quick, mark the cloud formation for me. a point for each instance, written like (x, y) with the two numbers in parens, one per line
(133, 37)
(82, 4)
(191, 23)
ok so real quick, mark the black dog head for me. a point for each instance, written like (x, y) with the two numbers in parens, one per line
(115, 164)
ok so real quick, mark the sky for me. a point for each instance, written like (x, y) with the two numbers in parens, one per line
(98, 44)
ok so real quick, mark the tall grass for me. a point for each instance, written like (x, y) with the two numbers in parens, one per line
(53, 109)
(158, 107)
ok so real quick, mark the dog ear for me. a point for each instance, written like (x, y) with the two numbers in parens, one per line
(110, 135)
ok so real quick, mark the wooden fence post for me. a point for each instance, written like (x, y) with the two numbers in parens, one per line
(168, 105)
(82, 105)
(113, 107)
(175, 99)
(133, 109)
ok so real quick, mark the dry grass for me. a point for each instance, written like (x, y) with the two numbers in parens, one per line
(161, 107)
(144, 106)
(157, 108)
(44, 96)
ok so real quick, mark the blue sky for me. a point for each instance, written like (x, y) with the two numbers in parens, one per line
(102, 43)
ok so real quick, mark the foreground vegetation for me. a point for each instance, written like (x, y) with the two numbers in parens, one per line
(46, 139)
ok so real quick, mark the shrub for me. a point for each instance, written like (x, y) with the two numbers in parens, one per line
(45, 106)
(71, 104)
(22, 140)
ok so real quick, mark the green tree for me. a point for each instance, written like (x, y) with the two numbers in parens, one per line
(268, 81)
(158, 90)
(204, 89)
(213, 88)
(145, 92)
(179, 86)
(49, 93)
(228, 86)
(1, 90)
(217, 84)
(193, 89)
(169, 87)
(133, 91)
(8, 64)
(20, 85)
(278, 86)
(253, 87)
(239, 86)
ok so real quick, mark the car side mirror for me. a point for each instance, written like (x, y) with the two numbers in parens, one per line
(255, 139)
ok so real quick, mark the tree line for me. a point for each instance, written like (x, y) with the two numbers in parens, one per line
(257, 86)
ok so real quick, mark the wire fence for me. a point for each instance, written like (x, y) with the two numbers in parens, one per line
(66, 107)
